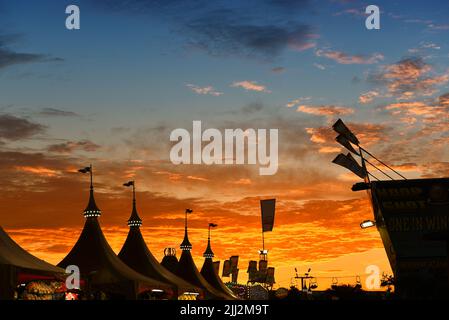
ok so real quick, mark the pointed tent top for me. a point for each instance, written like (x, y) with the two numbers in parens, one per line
(209, 253)
(134, 220)
(186, 245)
(91, 210)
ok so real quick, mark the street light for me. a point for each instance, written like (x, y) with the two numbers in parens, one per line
(367, 224)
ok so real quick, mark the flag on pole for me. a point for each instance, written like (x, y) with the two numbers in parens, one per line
(341, 139)
(351, 164)
(213, 225)
(84, 170)
(189, 210)
(342, 129)
(267, 209)
(129, 184)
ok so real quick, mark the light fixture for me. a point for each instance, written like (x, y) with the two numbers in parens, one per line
(263, 251)
(191, 293)
(367, 224)
(157, 290)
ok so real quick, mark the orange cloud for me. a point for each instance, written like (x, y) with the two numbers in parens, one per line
(243, 181)
(250, 86)
(197, 178)
(344, 58)
(325, 110)
(409, 78)
(368, 97)
(41, 171)
(367, 133)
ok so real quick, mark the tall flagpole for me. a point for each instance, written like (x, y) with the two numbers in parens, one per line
(263, 240)
(134, 191)
(91, 179)
(263, 254)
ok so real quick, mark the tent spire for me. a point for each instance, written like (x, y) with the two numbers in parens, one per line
(186, 245)
(209, 253)
(134, 220)
(91, 210)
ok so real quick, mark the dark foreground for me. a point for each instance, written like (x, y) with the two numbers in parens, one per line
(285, 309)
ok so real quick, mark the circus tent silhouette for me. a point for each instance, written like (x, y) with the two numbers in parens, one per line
(18, 266)
(135, 254)
(99, 264)
(210, 272)
(187, 270)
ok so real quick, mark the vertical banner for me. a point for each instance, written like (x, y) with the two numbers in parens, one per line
(267, 209)
(252, 270)
(235, 276)
(270, 276)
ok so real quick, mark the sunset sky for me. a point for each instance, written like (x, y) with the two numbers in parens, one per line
(110, 94)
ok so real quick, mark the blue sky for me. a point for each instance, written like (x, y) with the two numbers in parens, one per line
(124, 59)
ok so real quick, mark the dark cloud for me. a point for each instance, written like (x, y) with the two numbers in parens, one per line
(14, 128)
(171, 9)
(290, 4)
(71, 146)
(223, 28)
(10, 57)
(52, 112)
(221, 34)
(190, 7)
(278, 70)
(252, 108)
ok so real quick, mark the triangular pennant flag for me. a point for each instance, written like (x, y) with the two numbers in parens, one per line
(129, 183)
(84, 170)
(342, 129)
(351, 164)
(341, 139)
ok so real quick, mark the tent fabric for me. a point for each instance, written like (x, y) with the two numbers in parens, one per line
(188, 271)
(103, 268)
(209, 273)
(135, 254)
(15, 261)
(13, 254)
(170, 263)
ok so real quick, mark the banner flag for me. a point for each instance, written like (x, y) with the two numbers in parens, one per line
(267, 208)
(351, 164)
(342, 129)
(341, 139)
